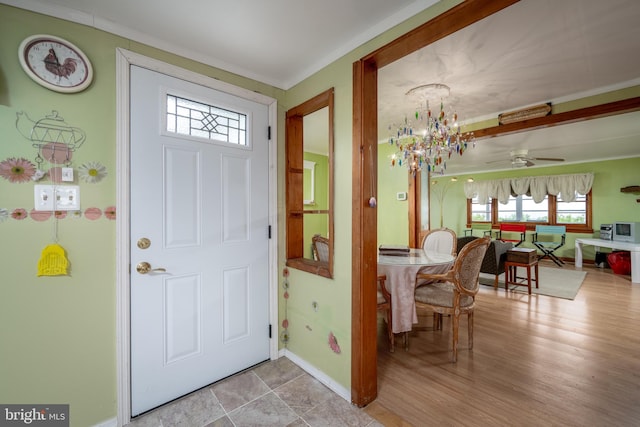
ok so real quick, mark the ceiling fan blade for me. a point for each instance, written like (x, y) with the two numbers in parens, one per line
(549, 159)
(529, 163)
(497, 161)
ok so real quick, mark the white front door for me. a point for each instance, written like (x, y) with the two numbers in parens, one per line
(199, 218)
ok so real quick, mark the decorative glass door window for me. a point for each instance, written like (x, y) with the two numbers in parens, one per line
(192, 118)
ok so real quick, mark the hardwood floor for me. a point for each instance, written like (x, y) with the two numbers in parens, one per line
(536, 361)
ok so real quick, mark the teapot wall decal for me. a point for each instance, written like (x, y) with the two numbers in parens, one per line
(50, 132)
(51, 135)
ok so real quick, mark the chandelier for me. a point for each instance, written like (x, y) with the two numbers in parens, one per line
(430, 140)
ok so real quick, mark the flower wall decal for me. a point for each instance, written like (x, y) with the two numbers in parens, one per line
(17, 170)
(19, 214)
(333, 343)
(284, 335)
(92, 172)
(92, 213)
(110, 212)
(40, 215)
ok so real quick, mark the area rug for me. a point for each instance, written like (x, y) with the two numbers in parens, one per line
(554, 282)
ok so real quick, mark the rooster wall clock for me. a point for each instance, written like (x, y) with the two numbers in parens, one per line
(55, 63)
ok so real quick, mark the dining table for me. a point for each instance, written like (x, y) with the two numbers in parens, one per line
(401, 273)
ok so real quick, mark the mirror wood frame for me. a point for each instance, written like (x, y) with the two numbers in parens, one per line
(294, 184)
(364, 220)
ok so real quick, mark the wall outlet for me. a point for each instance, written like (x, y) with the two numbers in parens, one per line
(56, 197)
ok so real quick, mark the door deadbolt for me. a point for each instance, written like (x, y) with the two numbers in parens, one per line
(144, 243)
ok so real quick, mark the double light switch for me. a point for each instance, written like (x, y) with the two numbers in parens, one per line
(57, 197)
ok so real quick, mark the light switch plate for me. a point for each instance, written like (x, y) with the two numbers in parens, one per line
(57, 197)
(43, 197)
(67, 174)
(67, 198)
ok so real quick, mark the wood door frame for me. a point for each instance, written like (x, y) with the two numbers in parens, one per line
(364, 181)
(414, 204)
(364, 221)
(124, 60)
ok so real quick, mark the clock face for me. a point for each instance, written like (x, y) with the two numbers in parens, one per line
(55, 63)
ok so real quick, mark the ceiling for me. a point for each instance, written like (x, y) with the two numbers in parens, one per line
(278, 42)
(533, 52)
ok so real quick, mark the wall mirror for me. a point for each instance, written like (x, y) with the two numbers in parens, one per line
(309, 181)
(309, 185)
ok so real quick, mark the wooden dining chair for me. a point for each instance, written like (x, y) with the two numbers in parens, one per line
(384, 305)
(320, 248)
(453, 293)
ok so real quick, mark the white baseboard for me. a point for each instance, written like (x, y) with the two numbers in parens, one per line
(317, 374)
(113, 422)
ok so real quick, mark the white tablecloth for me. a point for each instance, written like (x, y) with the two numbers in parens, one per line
(401, 281)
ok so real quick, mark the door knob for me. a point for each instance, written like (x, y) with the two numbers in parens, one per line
(144, 268)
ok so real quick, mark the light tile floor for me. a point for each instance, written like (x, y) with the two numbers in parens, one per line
(275, 393)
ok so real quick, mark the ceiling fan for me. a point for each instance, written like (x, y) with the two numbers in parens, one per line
(521, 159)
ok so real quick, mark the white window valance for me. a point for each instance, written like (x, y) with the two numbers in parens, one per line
(563, 186)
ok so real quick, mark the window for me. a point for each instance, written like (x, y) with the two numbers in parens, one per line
(480, 212)
(572, 212)
(193, 118)
(575, 215)
(524, 209)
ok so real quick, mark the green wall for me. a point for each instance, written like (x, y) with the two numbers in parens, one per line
(58, 333)
(609, 204)
(61, 330)
(393, 214)
(310, 324)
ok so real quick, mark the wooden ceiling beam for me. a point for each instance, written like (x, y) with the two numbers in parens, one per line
(566, 117)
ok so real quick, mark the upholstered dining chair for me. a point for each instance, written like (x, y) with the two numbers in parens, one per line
(384, 305)
(442, 240)
(453, 293)
(320, 248)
